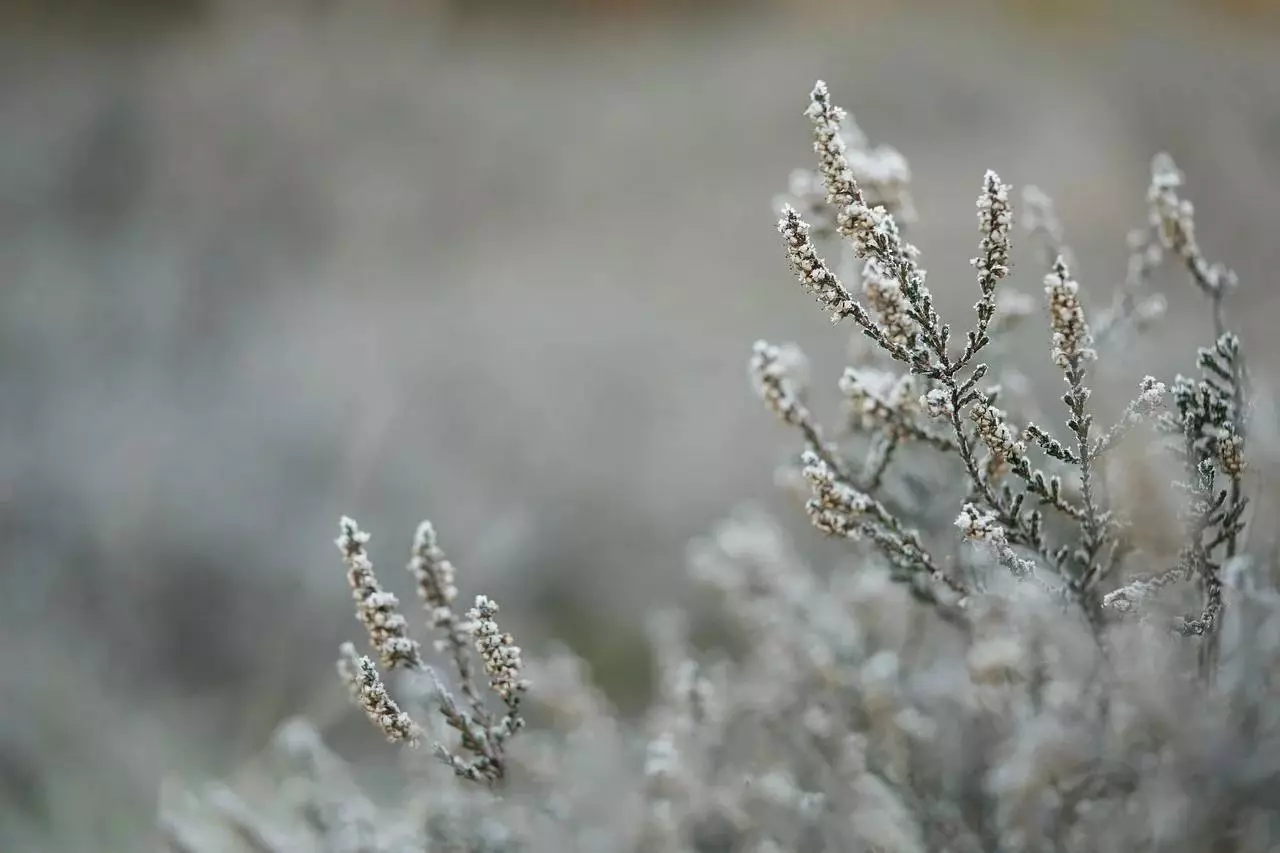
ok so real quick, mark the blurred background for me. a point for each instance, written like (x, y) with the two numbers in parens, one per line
(499, 264)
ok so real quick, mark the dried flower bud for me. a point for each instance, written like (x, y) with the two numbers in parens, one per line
(1231, 455)
(779, 375)
(812, 270)
(996, 433)
(498, 652)
(937, 403)
(978, 526)
(434, 575)
(361, 677)
(995, 219)
(836, 507)
(1071, 339)
(378, 610)
(842, 187)
(1150, 396)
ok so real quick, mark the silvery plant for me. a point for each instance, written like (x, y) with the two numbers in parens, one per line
(1006, 660)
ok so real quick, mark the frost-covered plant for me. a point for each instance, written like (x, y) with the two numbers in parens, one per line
(482, 736)
(928, 695)
(939, 402)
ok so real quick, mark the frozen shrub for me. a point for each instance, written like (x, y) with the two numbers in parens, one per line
(1003, 666)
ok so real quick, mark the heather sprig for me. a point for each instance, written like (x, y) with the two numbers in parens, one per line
(370, 693)
(377, 609)
(911, 699)
(482, 734)
(1008, 494)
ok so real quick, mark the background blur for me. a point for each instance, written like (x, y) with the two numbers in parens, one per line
(495, 263)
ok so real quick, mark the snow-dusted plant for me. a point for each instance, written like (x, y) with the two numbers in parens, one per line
(939, 400)
(925, 695)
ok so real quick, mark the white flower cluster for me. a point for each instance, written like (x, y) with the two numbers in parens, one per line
(978, 526)
(1072, 342)
(434, 575)
(371, 695)
(995, 219)
(811, 269)
(996, 433)
(872, 230)
(850, 166)
(830, 146)
(1151, 393)
(1231, 455)
(937, 403)
(836, 507)
(985, 528)
(779, 375)
(498, 652)
(377, 610)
